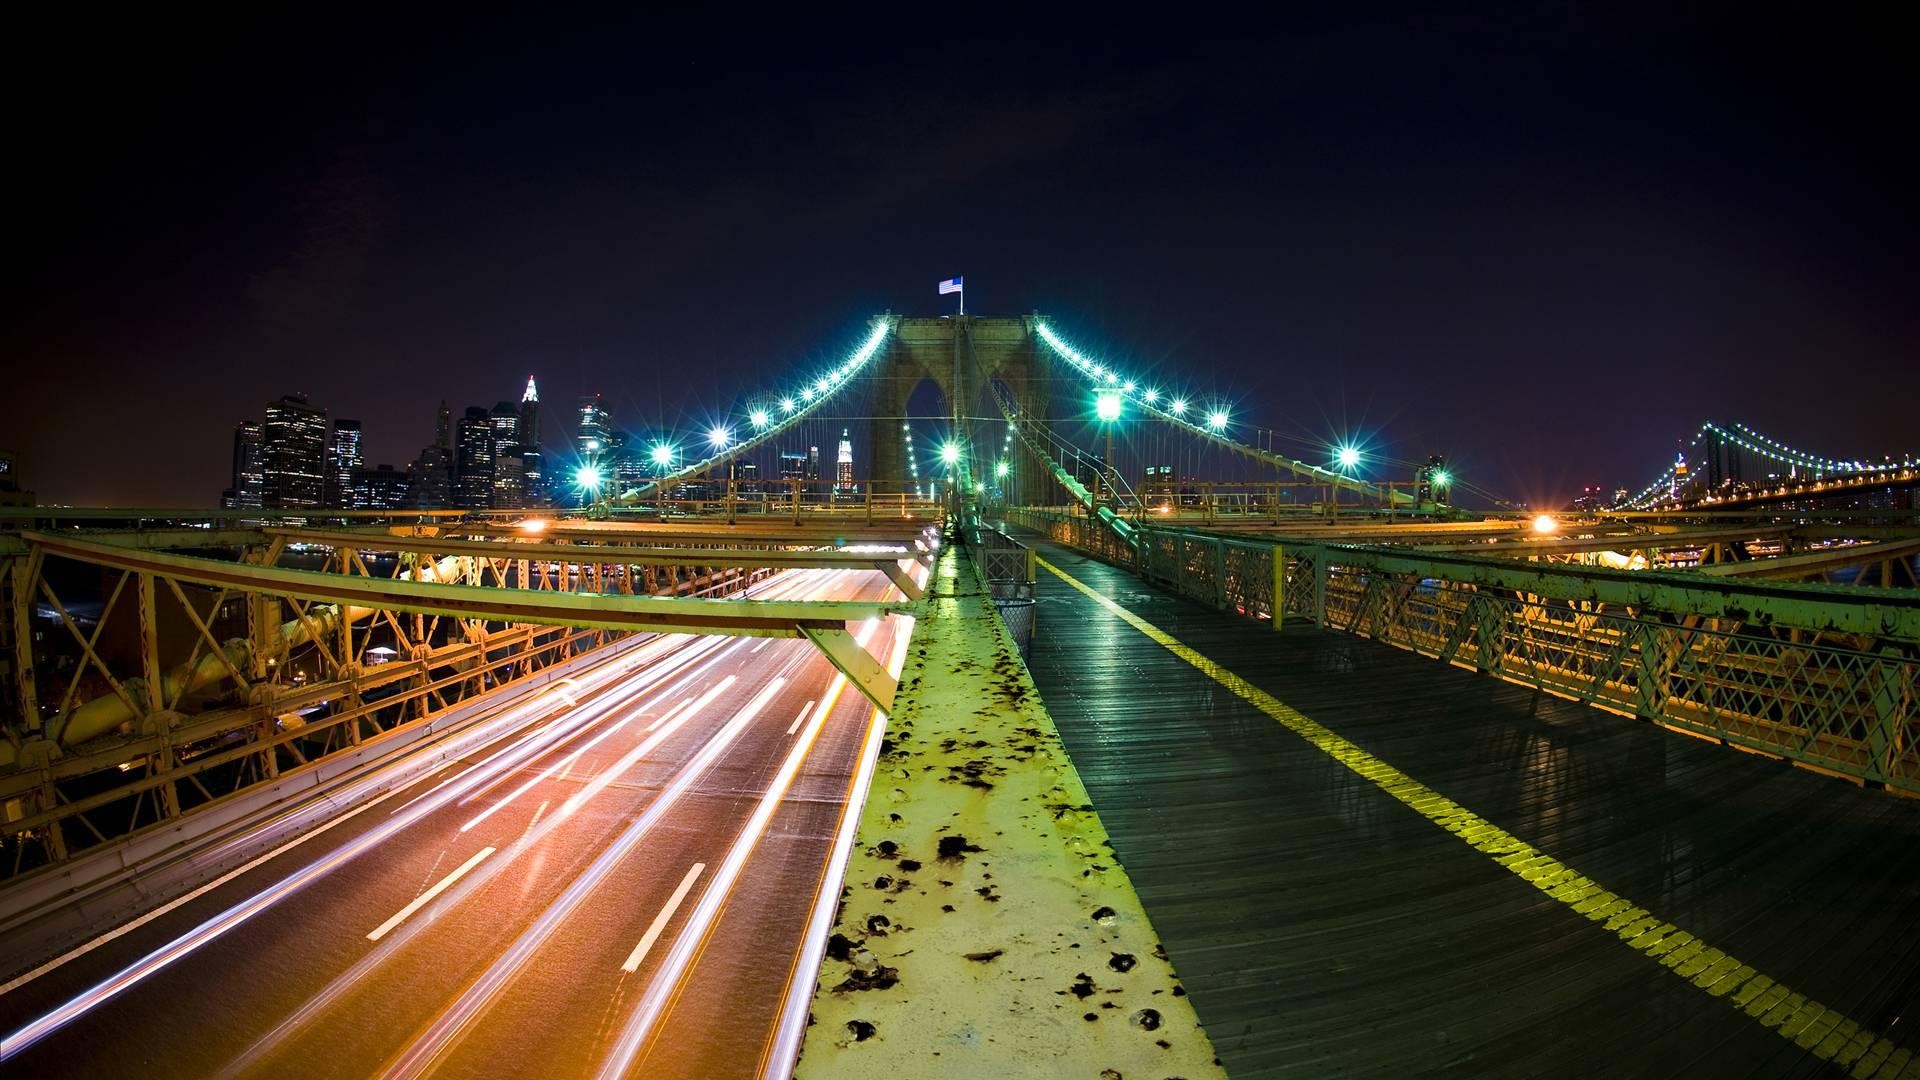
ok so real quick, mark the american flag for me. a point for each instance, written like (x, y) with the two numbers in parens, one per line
(951, 285)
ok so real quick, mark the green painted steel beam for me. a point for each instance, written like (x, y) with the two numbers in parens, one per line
(771, 558)
(1886, 613)
(749, 618)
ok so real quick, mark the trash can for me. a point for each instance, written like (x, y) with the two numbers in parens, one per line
(1017, 613)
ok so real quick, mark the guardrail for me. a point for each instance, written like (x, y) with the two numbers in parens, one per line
(1826, 677)
(1010, 569)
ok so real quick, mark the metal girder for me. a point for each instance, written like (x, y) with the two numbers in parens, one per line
(1523, 545)
(771, 558)
(1876, 612)
(768, 532)
(1789, 567)
(750, 618)
(846, 654)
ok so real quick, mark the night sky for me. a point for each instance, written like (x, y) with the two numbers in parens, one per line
(1547, 244)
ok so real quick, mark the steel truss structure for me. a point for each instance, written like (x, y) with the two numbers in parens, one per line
(147, 679)
(1827, 677)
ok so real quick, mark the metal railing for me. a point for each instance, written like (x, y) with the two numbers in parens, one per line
(1009, 568)
(1825, 677)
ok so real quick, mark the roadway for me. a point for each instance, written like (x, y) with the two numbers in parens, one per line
(626, 880)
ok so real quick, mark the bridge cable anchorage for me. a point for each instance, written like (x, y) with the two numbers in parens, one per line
(1138, 397)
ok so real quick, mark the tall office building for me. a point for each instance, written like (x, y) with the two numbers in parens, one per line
(509, 483)
(590, 428)
(343, 456)
(473, 461)
(295, 452)
(843, 462)
(249, 467)
(443, 427)
(793, 466)
(381, 487)
(530, 415)
(813, 464)
(432, 485)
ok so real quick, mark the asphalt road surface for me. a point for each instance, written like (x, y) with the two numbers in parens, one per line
(627, 881)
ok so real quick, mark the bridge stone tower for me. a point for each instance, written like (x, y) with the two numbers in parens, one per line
(962, 354)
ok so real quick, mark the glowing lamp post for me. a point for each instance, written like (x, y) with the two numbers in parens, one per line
(1106, 405)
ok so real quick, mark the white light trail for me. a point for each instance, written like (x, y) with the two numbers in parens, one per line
(660, 989)
(421, 1056)
(476, 739)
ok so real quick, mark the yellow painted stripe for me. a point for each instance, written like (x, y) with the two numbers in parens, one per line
(1813, 1027)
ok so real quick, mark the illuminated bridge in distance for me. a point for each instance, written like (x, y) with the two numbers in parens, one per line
(1305, 769)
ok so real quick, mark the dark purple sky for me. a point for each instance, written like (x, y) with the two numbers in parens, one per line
(1546, 244)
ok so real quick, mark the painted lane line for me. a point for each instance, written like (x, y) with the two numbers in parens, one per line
(422, 1057)
(364, 968)
(660, 921)
(668, 715)
(795, 726)
(1821, 1031)
(426, 898)
(538, 813)
(662, 989)
(481, 737)
(762, 645)
(782, 1050)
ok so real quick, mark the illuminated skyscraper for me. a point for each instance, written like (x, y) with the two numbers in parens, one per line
(249, 467)
(843, 463)
(343, 456)
(590, 428)
(530, 415)
(295, 453)
(509, 477)
(473, 461)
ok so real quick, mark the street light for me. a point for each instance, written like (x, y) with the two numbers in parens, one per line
(786, 404)
(1001, 469)
(1545, 525)
(1347, 456)
(1107, 407)
(1218, 420)
(1152, 396)
(588, 478)
(950, 452)
(662, 454)
(1179, 407)
(759, 418)
(719, 437)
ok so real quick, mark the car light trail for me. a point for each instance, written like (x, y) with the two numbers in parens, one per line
(441, 1034)
(660, 990)
(219, 924)
(782, 1051)
(365, 966)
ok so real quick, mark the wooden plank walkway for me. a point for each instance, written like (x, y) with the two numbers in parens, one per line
(1323, 927)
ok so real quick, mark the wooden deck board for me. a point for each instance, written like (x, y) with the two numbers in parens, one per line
(1323, 927)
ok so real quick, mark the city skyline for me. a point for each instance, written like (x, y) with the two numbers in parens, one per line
(1467, 235)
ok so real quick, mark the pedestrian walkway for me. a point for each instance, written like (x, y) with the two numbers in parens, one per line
(1364, 862)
